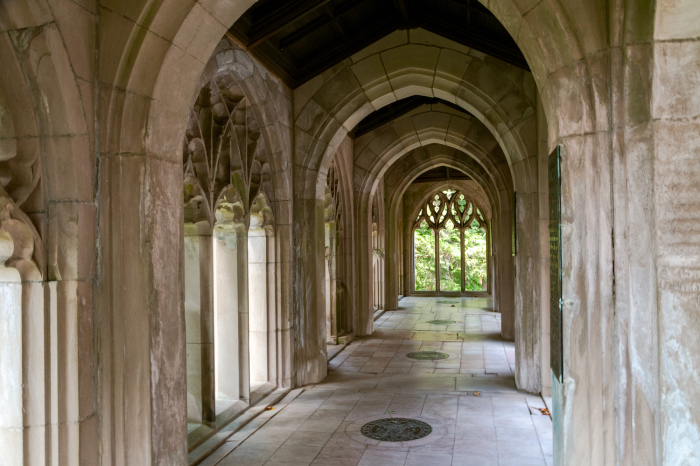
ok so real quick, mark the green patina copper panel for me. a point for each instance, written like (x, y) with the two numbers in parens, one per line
(556, 338)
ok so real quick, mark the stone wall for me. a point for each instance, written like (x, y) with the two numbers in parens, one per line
(97, 95)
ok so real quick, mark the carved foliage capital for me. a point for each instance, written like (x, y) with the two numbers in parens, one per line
(17, 239)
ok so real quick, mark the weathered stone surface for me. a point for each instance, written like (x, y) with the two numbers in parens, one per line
(676, 20)
(98, 98)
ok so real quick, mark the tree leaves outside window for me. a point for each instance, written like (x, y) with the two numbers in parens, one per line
(450, 217)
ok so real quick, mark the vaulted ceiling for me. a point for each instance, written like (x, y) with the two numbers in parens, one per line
(395, 110)
(299, 39)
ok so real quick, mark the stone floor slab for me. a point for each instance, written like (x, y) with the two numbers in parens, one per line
(371, 378)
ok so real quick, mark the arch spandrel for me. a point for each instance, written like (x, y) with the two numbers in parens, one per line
(503, 118)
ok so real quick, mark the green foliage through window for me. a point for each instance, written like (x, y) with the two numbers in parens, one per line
(424, 244)
(475, 259)
(450, 259)
(452, 214)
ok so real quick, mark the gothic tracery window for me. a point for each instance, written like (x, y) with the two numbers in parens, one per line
(449, 244)
(229, 234)
(334, 264)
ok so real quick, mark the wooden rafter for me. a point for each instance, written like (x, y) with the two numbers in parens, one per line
(342, 50)
(298, 48)
(318, 23)
(277, 19)
(405, 10)
(476, 40)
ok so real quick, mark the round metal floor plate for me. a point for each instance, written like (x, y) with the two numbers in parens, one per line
(441, 322)
(427, 355)
(399, 429)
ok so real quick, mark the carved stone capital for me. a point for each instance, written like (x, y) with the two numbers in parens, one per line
(18, 239)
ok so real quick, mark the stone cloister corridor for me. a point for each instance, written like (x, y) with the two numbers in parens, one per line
(234, 231)
(478, 417)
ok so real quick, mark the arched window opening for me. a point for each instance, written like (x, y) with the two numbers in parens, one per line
(475, 256)
(424, 254)
(229, 230)
(229, 266)
(333, 257)
(197, 284)
(450, 258)
(261, 282)
(198, 295)
(450, 245)
(378, 265)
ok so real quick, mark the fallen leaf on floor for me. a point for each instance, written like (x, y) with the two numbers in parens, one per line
(544, 411)
(269, 408)
(477, 394)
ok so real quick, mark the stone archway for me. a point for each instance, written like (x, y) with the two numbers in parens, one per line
(591, 63)
(380, 151)
(465, 213)
(567, 84)
(570, 61)
(323, 121)
(530, 359)
(402, 175)
(47, 219)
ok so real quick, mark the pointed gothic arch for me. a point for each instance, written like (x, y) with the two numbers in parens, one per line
(450, 216)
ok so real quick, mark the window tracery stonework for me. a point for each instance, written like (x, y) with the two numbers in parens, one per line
(21, 171)
(450, 206)
(224, 159)
(333, 204)
(450, 244)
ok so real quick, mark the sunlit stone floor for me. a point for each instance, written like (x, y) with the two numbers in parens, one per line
(372, 379)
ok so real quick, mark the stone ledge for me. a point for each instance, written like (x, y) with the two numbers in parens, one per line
(200, 453)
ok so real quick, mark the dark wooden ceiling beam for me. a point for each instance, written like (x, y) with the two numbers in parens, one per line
(278, 18)
(442, 173)
(280, 66)
(328, 8)
(344, 49)
(405, 10)
(304, 31)
(475, 39)
(318, 23)
(335, 39)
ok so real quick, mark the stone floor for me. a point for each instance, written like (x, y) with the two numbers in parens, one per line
(469, 399)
